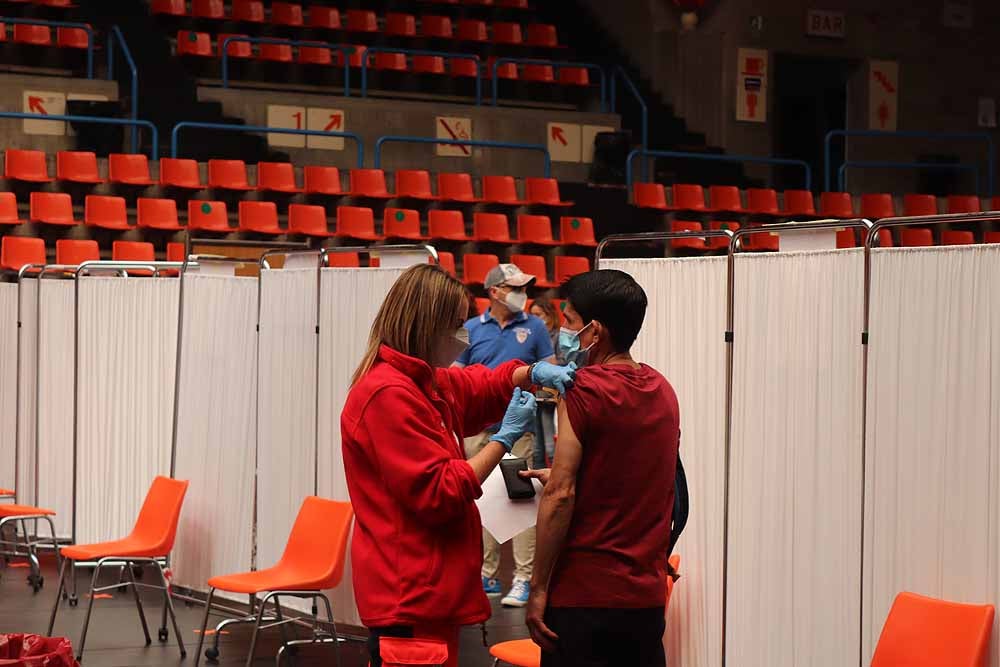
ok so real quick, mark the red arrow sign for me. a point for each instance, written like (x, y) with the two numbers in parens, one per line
(335, 122)
(35, 105)
(557, 135)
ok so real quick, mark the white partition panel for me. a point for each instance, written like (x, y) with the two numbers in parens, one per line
(8, 383)
(26, 382)
(215, 428)
(127, 355)
(933, 429)
(55, 402)
(350, 300)
(796, 466)
(682, 337)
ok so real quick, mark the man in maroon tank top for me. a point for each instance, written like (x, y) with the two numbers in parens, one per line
(599, 583)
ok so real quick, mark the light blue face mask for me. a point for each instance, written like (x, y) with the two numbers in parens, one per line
(569, 346)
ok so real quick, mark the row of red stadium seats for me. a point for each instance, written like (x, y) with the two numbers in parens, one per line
(41, 35)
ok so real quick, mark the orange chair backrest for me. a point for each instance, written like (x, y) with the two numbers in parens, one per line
(317, 546)
(675, 563)
(156, 526)
(925, 632)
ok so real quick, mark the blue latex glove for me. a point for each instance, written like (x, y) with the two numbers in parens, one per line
(519, 419)
(555, 377)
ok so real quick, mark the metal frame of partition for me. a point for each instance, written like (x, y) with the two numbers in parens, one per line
(753, 159)
(21, 274)
(154, 133)
(448, 55)
(61, 24)
(961, 166)
(174, 134)
(557, 64)
(403, 139)
(345, 52)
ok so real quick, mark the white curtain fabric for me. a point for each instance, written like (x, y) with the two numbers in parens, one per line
(682, 337)
(350, 299)
(933, 430)
(128, 350)
(8, 380)
(215, 428)
(55, 358)
(26, 382)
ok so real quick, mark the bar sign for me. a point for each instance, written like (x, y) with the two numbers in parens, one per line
(822, 23)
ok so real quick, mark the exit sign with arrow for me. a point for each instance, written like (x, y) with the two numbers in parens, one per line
(44, 103)
(564, 142)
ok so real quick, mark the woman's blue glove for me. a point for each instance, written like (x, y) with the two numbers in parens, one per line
(552, 376)
(519, 419)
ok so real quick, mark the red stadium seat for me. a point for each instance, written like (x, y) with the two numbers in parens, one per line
(836, 205)
(286, 13)
(260, 217)
(436, 27)
(475, 267)
(157, 214)
(175, 252)
(884, 238)
(322, 180)
(692, 243)
(21, 165)
(402, 223)
(721, 242)
(482, 305)
(501, 190)
(236, 49)
(574, 76)
(761, 242)
(964, 204)
(250, 11)
(369, 183)
(762, 201)
(37, 35)
(72, 38)
(356, 54)
(542, 34)
(471, 30)
(991, 237)
(277, 177)
(278, 53)
(490, 227)
(513, 4)
(543, 191)
(105, 212)
(507, 33)
(73, 252)
(315, 55)
(577, 231)
(228, 175)
(914, 205)
(535, 229)
(194, 44)
(8, 209)
(307, 220)
(344, 260)
(799, 202)
(19, 251)
(956, 237)
(688, 197)
(324, 17)
(357, 222)
(915, 237)
(52, 208)
(846, 238)
(129, 169)
(725, 198)
(875, 206)
(538, 74)
(504, 70)
(77, 167)
(400, 25)
(361, 20)
(414, 183)
(428, 65)
(208, 9)
(180, 173)
(169, 7)
(208, 216)
(456, 187)
(395, 62)
(568, 266)
(132, 251)
(995, 203)
(446, 261)
(446, 225)
(534, 265)
(649, 195)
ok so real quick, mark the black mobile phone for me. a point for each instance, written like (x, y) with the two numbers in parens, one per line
(518, 488)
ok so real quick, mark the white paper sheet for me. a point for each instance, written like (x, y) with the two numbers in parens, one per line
(503, 517)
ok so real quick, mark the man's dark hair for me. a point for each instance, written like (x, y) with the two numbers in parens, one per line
(612, 297)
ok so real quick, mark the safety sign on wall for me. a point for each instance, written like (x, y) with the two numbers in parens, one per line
(303, 118)
(564, 142)
(883, 95)
(325, 120)
(45, 103)
(453, 128)
(751, 85)
(587, 134)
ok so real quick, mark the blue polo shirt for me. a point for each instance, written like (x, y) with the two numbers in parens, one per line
(525, 337)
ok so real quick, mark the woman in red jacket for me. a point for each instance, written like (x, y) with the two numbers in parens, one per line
(416, 549)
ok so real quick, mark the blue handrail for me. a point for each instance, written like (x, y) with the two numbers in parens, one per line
(154, 149)
(557, 64)
(62, 24)
(115, 35)
(461, 142)
(961, 166)
(267, 130)
(617, 72)
(421, 52)
(911, 134)
(345, 51)
(716, 158)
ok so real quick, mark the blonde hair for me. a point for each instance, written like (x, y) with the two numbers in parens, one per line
(422, 304)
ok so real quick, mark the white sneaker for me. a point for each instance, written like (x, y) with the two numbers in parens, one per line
(518, 595)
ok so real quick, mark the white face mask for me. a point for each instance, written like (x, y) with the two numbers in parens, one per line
(516, 301)
(451, 348)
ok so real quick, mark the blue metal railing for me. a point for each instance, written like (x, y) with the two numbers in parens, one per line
(961, 166)
(946, 136)
(62, 24)
(556, 64)
(619, 72)
(345, 52)
(115, 35)
(716, 158)
(461, 142)
(154, 150)
(421, 52)
(174, 134)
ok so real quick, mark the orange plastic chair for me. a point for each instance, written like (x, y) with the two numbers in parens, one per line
(543, 191)
(315, 55)
(846, 239)
(343, 260)
(721, 242)
(277, 177)
(357, 222)
(395, 62)
(20, 251)
(491, 227)
(73, 252)
(260, 217)
(573, 76)
(361, 20)
(914, 204)
(157, 214)
(369, 183)
(535, 230)
(414, 184)
(471, 30)
(475, 267)
(77, 167)
(649, 195)
(725, 198)
(692, 243)
(402, 223)
(286, 13)
(915, 237)
(39, 35)
(105, 212)
(568, 266)
(132, 251)
(322, 180)
(228, 175)
(208, 9)
(761, 241)
(308, 220)
(8, 209)
(169, 7)
(194, 44)
(19, 517)
(250, 11)
(762, 201)
(446, 225)
(277, 53)
(27, 166)
(398, 24)
(885, 238)
(71, 38)
(688, 198)
(463, 67)
(151, 539)
(964, 204)
(955, 237)
(799, 202)
(504, 70)
(538, 73)
(501, 190)
(577, 231)
(482, 305)
(180, 173)
(874, 206)
(991, 237)
(436, 27)
(456, 187)
(428, 65)
(51, 208)
(542, 34)
(209, 216)
(534, 265)
(446, 261)
(175, 252)
(312, 562)
(836, 205)
(505, 32)
(129, 169)
(924, 632)
(324, 17)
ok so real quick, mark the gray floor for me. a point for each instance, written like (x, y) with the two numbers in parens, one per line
(115, 637)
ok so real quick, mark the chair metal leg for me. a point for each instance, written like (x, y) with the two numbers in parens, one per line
(138, 603)
(55, 606)
(281, 621)
(333, 625)
(55, 541)
(256, 630)
(204, 626)
(90, 609)
(170, 609)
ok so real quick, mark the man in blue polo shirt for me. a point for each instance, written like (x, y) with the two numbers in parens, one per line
(502, 333)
